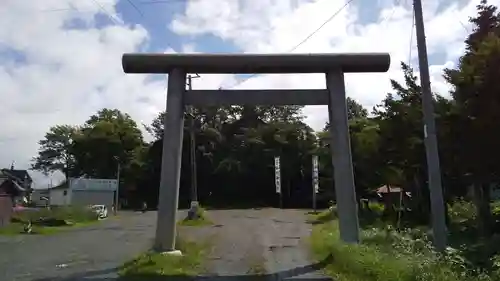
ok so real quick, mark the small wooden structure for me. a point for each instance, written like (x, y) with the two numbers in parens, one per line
(10, 189)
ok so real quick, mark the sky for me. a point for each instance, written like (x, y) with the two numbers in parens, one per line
(60, 60)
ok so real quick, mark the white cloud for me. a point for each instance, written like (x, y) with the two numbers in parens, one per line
(64, 74)
(282, 24)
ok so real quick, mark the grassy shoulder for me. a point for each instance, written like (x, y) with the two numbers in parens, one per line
(49, 221)
(388, 254)
(17, 228)
(200, 219)
(158, 266)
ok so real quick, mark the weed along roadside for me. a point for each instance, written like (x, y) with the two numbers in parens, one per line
(159, 266)
(48, 221)
(389, 254)
(200, 219)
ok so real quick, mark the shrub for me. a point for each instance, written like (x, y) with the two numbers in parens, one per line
(54, 216)
(460, 211)
(386, 254)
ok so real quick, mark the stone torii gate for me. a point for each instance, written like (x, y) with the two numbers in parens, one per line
(178, 65)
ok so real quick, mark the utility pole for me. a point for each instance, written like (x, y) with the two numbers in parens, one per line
(117, 197)
(193, 211)
(431, 146)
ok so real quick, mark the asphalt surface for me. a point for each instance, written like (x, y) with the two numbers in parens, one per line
(264, 244)
(267, 244)
(89, 253)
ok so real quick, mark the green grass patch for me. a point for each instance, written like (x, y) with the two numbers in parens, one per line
(323, 216)
(48, 221)
(257, 267)
(157, 266)
(387, 255)
(17, 228)
(200, 220)
(195, 222)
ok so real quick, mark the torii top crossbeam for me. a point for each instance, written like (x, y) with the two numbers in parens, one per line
(255, 63)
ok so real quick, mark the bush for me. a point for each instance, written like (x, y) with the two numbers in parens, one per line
(57, 216)
(389, 255)
(376, 207)
(461, 211)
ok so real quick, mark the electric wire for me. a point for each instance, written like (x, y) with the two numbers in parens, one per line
(301, 42)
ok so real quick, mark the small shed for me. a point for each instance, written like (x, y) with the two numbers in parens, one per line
(11, 192)
(393, 195)
(60, 195)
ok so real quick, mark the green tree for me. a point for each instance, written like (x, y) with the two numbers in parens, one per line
(355, 109)
(55, 152)
(106, 139)
(476, 95)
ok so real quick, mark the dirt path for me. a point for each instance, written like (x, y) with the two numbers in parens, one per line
(270, 244)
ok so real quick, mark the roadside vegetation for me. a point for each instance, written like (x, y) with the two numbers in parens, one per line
(389, 253)
(49, 221)
(390, 149)
(198, 219)
(159, 266)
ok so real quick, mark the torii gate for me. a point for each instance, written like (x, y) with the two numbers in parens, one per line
(178, 65)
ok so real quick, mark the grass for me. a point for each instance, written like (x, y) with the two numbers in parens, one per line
(322, 217)
(49, 221)
(200, 220)
(257, 267)
(380, 257)
(17, 228)
(157, 266)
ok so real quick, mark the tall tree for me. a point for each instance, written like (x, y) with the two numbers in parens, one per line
(355, 109)
(55, 152)
(477, 95)
(107, 139)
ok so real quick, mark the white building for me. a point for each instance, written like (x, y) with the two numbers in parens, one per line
(81, 191)
(93, 191)
(40, 196)
(59, 195)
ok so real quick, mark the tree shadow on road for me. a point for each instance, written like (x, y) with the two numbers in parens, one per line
(292, 274)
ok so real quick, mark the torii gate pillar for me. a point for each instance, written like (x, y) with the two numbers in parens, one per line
(178, 65)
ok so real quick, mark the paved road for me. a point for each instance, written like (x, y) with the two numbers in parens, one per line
(265, 244)
(270, 244)
(81, 254)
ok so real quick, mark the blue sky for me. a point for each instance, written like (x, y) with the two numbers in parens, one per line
(59, 67)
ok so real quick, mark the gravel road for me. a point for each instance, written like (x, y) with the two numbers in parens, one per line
(86, 253)
(266, 244)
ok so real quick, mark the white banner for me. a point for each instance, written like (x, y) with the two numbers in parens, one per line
(315, 171)
(277, 174)
(93, 184)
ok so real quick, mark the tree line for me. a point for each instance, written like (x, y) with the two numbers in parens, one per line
(235, 145)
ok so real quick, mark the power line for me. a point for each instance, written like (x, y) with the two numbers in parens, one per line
(393, 11)
(462, 24)
(161, 2)
(111, 17)
(321, 26)
(153, 2)
(411, 37)
(303, 41)
(135, 7)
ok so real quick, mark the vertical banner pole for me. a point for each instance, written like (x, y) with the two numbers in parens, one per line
(315, 180)
(277, 178)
